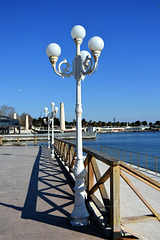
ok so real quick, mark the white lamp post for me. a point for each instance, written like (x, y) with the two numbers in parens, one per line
(51, 119)
(53, 114)
(82, 66)
(48, 122)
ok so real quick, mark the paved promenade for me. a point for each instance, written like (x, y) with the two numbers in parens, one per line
(36, 199)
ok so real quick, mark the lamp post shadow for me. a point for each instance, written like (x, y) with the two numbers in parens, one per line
(50, 197)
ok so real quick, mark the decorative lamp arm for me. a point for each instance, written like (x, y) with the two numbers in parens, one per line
(61, 72)
(88, 67)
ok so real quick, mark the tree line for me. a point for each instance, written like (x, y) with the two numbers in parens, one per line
(114, 124)
(39, 122)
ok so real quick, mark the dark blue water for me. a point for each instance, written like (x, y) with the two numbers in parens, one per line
(139, 142)
(142, 142)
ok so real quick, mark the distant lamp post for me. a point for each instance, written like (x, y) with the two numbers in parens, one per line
(51, 119)
(48, 123)
(82, 65)
(53, 114)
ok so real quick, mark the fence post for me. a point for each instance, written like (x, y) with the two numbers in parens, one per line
(17, 140)
(146, 162)
(115, 201)
(35, 141)
(130, 159)
(90, 174)
(0, 141)
(156, 165)
(138, 159)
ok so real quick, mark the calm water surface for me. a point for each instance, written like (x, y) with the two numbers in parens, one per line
(139, 142)
(142, 142)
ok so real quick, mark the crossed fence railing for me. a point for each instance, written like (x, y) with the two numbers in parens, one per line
(108, 202)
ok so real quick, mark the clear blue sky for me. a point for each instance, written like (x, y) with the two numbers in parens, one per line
(127, 83)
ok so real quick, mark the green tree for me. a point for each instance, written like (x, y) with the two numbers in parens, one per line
(38, 122)
(74, 122)
(132, 124)
(157, 123)
(123, 124)
(118, 124)
(104, 124)
(94, 124)
(90, 122)
(144, 123)
(99, 124)
(138, 123)
(83, 122)
(57, 122)
(109, 124)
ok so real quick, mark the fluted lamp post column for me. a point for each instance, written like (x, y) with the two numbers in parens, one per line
(82, 65)
(48, 123)
(53, 114)
(51, 120)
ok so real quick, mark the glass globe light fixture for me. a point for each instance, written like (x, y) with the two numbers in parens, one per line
(52, 104)
(96, 44)
(78, 32)
(45, 110)
(56, 109)
(53, 49)
(84, 54)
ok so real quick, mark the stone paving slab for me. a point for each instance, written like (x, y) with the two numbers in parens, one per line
(36, 199)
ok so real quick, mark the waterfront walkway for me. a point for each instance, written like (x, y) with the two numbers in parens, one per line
(36, 197)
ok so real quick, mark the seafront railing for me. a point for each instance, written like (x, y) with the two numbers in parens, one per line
(103, 176)
(146, 161)
(18, 139)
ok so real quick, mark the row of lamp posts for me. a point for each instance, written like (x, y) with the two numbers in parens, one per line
(50, 120)
(82, 65)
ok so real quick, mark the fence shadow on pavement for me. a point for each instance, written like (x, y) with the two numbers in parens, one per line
(50, 197)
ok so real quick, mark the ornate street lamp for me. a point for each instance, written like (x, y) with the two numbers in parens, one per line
(48, 122)
(82, 66)
(53, 114)
(51, 120)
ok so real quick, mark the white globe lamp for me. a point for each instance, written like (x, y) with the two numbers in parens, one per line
(53, 50)
(78, 32)
(84, 54)
(96, 43)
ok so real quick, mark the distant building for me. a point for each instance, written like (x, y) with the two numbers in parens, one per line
(7, 123)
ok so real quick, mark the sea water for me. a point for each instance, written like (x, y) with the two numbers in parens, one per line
(137, 142)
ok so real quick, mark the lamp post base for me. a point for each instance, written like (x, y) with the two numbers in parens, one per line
(52, 155)
(78, 222)
(79, 215)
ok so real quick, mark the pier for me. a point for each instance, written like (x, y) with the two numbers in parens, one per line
(37, 196)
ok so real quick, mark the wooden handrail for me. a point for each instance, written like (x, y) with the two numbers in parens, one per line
(22, 137)
(139, 175)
